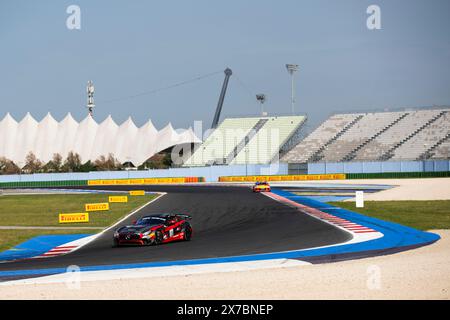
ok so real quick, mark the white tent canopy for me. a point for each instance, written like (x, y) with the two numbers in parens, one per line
(90, 140)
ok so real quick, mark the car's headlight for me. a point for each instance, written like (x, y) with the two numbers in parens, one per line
(116, 234)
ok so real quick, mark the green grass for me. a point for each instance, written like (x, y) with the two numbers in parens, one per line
(43, 210)
(11, 238)
(422, 215)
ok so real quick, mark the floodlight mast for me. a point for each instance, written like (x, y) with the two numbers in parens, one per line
(261, 99)
(228, 74)
(292, 68)
(90, 97)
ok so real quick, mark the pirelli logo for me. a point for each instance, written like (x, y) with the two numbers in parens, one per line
(118, 199)
(111, 182)
(137, 192)
(336, 176)
(73, 217)
(96, 206)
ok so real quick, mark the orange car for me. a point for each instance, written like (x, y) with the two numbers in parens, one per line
(261, 187)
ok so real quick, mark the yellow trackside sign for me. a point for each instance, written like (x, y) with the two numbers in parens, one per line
(96, 206)
(336, 176)
(137, 192)
(73, 217)
(141, 181)
(118, 199)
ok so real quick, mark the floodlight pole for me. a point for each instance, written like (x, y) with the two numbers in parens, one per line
(292, 68)
(90, 97)
(261, 98)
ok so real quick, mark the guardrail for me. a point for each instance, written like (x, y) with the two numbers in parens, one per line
(43, 184)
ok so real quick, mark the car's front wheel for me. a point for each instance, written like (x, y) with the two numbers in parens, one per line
(158, 237)
(187, 233)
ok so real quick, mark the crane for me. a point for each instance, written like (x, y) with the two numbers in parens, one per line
(228, 74)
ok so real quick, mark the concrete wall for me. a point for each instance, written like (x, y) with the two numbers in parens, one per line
(211, 174)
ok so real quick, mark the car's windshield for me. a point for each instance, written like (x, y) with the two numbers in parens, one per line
(150, 220)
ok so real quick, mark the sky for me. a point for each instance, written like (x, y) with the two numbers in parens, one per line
(131, 47)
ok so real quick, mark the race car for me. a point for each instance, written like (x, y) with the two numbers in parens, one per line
(154, 229)
(261, 187)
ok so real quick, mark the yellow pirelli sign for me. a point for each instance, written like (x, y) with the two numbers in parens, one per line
(336, 176)
(118, 199)
(73, 217)
(137, 192)
(111, 182)
(96, 206)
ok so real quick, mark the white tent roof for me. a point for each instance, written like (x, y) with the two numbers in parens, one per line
(89, 139)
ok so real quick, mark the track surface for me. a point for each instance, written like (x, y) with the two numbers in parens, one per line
(227, 221)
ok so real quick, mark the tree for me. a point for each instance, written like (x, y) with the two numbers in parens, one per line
(8, 167)
(32, 164)
(160, 160)
(88, 166)
(107, 164)
(55, 164)
(72, 162)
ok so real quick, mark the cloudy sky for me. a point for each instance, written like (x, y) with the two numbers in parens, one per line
(133, 47)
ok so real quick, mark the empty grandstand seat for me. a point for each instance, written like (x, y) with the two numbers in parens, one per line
(234, 142)
(404, 135)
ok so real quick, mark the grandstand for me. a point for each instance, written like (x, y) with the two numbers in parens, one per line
(252, 140)
(377, 136)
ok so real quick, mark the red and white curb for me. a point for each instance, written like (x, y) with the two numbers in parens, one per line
(359, 232)
(67, 247)
(57, 251)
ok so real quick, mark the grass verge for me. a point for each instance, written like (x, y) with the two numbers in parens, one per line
(43, 210)
(422, 215)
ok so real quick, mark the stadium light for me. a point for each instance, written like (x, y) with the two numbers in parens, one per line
(90, 100)
(292, 68)
(261, 99)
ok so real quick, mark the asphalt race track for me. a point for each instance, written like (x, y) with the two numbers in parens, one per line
(227, 221)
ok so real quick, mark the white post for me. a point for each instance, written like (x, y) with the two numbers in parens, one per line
(360, 199)
(292, 94)
(291, 68)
